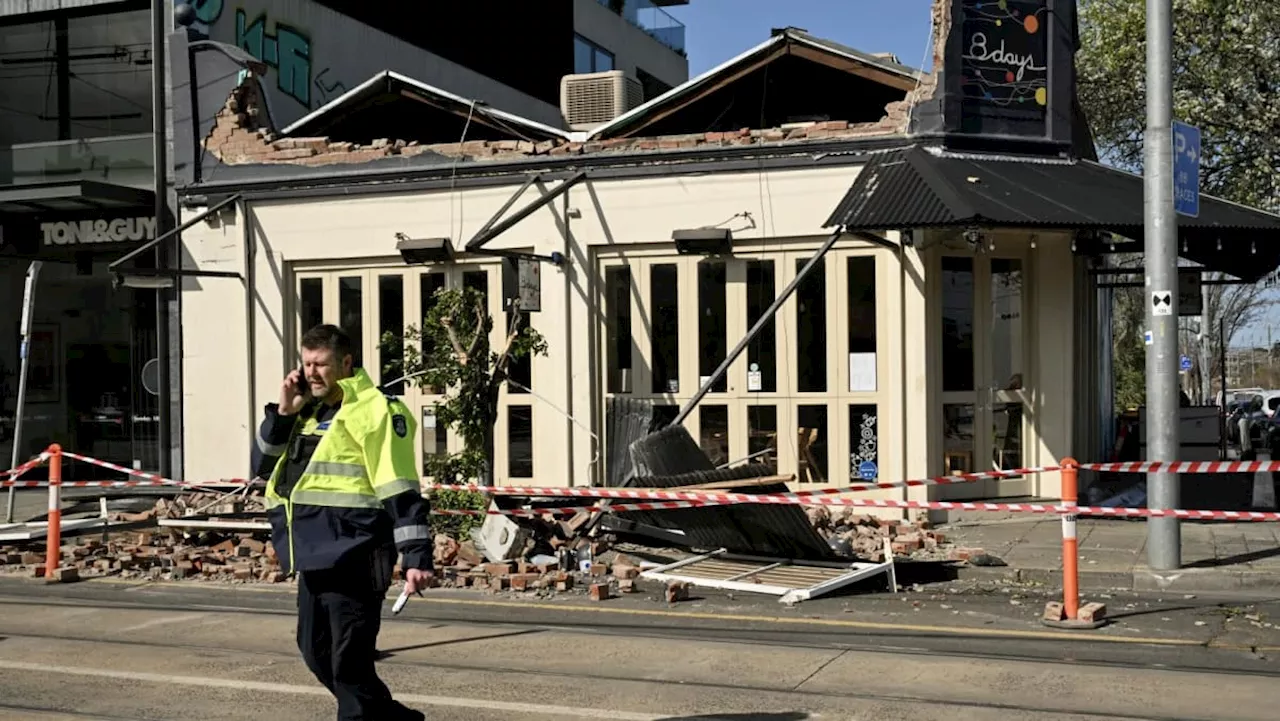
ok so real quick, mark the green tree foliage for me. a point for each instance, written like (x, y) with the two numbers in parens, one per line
(450, 353)
(1226, 60)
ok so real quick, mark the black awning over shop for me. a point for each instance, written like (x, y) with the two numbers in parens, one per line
(74, 196)
(920, 188)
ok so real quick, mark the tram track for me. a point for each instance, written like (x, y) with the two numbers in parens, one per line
(596, 678)
(875, 644)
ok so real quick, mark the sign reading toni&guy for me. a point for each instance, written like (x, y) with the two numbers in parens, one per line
(82, 232)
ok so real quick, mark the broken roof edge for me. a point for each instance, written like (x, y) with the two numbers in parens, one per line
(764, 48)
(476, 105)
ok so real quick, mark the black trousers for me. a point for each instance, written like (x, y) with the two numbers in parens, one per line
(339, 616)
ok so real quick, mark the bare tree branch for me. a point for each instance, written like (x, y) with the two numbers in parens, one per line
(458, 351)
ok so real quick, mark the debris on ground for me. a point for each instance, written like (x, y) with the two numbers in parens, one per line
(156, 555)
(854, 534)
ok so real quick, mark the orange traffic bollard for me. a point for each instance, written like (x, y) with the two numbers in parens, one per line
(53, 552)
(1067, 613)
(1070, 544)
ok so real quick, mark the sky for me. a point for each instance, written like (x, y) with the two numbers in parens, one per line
(717, 30)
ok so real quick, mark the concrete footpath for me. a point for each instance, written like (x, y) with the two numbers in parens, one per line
(1216, 556)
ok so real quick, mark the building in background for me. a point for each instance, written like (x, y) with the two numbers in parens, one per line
(76, 192)
(483, 49)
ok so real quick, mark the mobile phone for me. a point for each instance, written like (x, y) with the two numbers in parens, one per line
(303, 388)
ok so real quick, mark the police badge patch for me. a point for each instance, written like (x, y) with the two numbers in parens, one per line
(399, 425)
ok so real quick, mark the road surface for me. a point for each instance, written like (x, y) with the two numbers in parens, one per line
(164, 653)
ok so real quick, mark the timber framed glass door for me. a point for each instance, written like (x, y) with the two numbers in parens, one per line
(369, 302)
(984, 353)
(804, 396)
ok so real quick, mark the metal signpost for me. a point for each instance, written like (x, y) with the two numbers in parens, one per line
(1164, 542)
(24, 361)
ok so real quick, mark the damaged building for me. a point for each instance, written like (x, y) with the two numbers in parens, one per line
(937, 248)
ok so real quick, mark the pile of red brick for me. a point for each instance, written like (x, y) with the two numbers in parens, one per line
(863, 536)
(460, 565)
(163, 555)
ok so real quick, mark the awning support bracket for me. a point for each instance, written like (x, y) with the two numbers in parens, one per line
(175, 231)
(494, 228)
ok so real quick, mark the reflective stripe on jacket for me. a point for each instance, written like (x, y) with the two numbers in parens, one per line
(359, 492)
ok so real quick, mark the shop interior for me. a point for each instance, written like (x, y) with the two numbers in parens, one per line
(92, 379)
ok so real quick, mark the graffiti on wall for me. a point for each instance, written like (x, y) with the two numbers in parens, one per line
(287, 51)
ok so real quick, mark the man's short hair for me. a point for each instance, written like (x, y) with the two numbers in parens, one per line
(330, 337)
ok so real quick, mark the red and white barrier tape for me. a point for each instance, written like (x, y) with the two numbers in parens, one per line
(15, 472)
(152, 479)
(1183, 467)
(566, 511)
(1069, 510)
(664, 500)
(658, 494)
(124, 484)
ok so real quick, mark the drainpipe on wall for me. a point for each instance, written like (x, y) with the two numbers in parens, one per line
(251, 349)
(568, 334)
(902, 342)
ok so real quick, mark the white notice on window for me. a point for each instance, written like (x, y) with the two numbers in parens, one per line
(862, 372)
(754, 381)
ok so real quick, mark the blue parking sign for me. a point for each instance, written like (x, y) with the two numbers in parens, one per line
(1186, 169)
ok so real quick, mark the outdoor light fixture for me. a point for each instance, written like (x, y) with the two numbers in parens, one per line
(416, 251)
(703, 241)
(134, 280)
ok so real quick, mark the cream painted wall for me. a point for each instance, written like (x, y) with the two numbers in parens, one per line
(358, 232)
(215, 424)
(596, 217)
(1053, 278)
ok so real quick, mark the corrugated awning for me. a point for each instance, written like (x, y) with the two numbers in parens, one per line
(921, 188)
(72, 197)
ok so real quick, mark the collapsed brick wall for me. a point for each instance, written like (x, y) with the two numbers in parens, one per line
(900, 112)
(242, 134)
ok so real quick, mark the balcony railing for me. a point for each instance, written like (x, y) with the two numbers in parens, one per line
(658, 23)
(119, 159)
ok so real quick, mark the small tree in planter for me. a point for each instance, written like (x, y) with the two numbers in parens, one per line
(450, 353)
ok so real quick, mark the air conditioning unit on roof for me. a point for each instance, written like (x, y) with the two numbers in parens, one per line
(592, 99)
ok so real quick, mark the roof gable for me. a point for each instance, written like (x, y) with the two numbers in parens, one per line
(392, 105)
(792, 77)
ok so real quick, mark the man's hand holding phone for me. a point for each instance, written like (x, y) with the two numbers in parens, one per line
(294, 393)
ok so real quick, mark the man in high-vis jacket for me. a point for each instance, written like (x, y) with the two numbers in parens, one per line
(343, 498)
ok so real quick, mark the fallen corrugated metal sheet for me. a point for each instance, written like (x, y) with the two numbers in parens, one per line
(627, 420)
(670, 458)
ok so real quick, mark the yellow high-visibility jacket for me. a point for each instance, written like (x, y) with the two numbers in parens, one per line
(359, 491)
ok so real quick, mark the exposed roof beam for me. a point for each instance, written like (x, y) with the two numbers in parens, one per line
(853, 67)
(703, 92)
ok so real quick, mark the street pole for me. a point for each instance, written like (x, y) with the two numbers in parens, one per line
(24, 360)
(160, 140)
(1164, 542)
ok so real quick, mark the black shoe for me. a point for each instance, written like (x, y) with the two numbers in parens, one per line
(400, 712)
